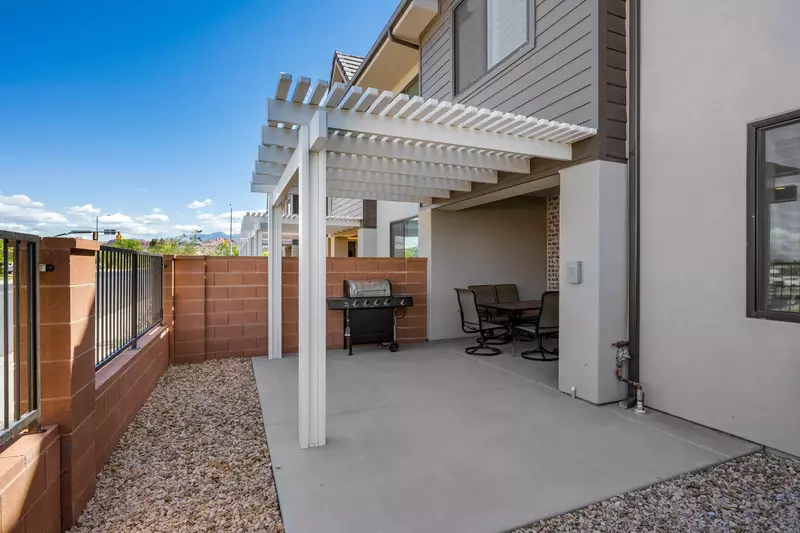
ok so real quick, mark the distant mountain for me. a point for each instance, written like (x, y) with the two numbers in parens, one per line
(213, 236)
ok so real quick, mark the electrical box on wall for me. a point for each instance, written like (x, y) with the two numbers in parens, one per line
(575, 272)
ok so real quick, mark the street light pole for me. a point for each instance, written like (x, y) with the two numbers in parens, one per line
(97, 224)
(230, 234)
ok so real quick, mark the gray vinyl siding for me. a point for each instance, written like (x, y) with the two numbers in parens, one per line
(553, 77)
(613, 81)
(346, 207)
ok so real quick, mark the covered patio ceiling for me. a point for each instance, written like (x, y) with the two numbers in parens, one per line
(321, 142)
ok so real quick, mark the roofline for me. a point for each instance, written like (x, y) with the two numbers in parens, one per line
(384, 35)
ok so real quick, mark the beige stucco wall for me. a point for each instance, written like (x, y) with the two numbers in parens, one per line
(709, 68)
(389, 212)
(501, 242)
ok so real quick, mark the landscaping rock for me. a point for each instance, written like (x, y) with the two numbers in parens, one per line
(194, 459)
(758, 493)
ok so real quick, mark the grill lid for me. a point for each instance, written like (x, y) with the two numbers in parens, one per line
(373, 287)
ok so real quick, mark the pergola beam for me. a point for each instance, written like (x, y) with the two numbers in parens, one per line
(397, 179)
(367, 195)
(289, 176)
(426, 154)
(388, 189)
(419, 131)
(411, 168)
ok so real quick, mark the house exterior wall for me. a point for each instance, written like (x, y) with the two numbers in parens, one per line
(554, 76)
(345, 207)
(701, 83)
(502, 242)
(389, 212)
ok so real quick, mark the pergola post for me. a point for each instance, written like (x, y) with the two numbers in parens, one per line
(312, 286)
(275, 281)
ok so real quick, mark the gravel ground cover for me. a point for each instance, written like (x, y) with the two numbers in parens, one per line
(760, 492)
(195, 459)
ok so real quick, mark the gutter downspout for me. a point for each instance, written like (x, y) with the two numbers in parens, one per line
(400, 41)
(634, 156)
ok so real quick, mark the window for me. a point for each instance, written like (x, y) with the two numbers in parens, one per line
(773, 242)
(412, 89)
(404, 237)
(486, 32)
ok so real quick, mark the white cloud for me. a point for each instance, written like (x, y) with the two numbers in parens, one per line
(197, 204)
(156, 210)
(220, 222)
(155, 217)
(187, 228)
(84, 210)
(20, 200)
(116, 218)
(21, 210)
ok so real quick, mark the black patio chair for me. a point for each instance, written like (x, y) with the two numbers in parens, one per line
(473, 322)
(545, 327)
(484, 294)
(508, 292)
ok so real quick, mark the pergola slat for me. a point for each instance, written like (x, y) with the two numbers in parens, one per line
(365, 195)
(284, 83)
(320, 87)
(410, 167)
(424, 154)
(388, 189)
(335, 95)
(440, 134)
(300, 90)
(351, 98)
(399, 179)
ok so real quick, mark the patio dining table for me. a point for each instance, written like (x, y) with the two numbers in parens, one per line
(514, 310)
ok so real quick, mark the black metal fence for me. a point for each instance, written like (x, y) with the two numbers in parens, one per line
(129, 299)
(19, 344)
(784, 286)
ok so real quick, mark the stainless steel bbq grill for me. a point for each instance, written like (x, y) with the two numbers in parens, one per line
(369, 312)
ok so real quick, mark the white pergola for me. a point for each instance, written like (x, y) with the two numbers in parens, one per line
(255, 226)
(321, 141)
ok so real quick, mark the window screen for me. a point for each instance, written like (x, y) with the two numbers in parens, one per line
(507, 28)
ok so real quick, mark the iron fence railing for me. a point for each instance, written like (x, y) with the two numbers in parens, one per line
(129, 299)
(19, 344)
(784, 286)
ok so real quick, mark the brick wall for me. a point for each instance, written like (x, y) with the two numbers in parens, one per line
(30, 483)
(220, 303)
(90, 409)
(121, 388)
(553, 236)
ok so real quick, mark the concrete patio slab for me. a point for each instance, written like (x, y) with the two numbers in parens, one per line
(432, 440)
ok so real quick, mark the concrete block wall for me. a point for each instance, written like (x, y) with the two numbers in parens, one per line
(220, 303)
(90, 410)
(121, 388)
(30, 483)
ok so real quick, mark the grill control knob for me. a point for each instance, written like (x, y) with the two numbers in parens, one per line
(366, 303)
(387, 302)
(355, 303)
(376, 303)
(402, 301)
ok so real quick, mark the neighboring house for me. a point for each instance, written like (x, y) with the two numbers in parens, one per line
(677, 221)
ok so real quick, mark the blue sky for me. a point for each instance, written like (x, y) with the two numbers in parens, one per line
(138, 109)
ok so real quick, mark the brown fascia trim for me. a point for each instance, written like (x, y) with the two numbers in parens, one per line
(384, 35)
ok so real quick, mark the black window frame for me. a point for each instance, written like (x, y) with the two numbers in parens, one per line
(757, 218)
(530, 38)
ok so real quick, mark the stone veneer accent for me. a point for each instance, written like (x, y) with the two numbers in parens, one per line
(553, 227)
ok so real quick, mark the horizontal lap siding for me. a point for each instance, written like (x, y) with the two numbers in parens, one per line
(554, 78)
(346, 207)
(613, 79)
